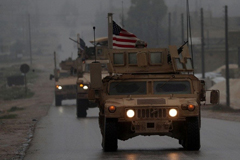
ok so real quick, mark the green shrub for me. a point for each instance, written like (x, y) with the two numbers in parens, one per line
(9, 116)
(15, 92)
(13, 109)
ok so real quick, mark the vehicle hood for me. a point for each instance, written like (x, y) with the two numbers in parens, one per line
(86, 77)
(159, 101)
(67, 81)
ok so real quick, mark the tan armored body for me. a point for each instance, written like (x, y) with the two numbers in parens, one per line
(65, 80)
(88, 56)
(83, 84)
(149, 92)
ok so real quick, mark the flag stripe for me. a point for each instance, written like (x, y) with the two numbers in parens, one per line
(123, 45)
(127, 35)
(127, 38)
(123, 39)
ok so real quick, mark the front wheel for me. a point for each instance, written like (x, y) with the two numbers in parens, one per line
(82, 106)
(58, 100)
(109, 141)
(192, 136)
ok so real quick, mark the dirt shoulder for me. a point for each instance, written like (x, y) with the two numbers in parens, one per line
(16, 133)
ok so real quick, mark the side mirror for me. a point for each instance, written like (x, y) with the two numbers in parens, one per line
(96, 76)
(51, 76)
(214, 97)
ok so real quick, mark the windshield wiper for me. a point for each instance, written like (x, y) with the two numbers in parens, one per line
(173, 76)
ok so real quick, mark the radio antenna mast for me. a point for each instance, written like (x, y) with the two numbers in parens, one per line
(190, 32)
(94, 43)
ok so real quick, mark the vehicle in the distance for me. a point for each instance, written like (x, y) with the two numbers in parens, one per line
(89, 55)
(83, 84)
(65, 81)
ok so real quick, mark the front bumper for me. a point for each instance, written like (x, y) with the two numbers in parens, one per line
(144, 127)
(82, 95)
(66, 94)
(151, 120)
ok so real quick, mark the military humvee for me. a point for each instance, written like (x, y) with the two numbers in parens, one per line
(65, 80)
(83, 84)
(149, 92)
(87, 56)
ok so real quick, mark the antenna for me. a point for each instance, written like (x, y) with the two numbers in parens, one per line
(94, 43)
(189, 30)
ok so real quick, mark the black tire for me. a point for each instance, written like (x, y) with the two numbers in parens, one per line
(82, 106)
(58, 100)
(109, 141)
(101, 123)
(192, 137)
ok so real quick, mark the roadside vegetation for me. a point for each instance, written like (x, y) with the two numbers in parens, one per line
(15, 91)
(9, 113)
(8, 116)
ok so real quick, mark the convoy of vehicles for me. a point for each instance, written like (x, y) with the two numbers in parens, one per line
(141, 91)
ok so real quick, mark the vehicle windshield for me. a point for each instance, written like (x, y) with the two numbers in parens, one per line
(128, 88)
(64, 74)
(172, 87)
(104, 67)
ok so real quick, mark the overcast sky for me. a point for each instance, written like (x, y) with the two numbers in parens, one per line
(87, 9)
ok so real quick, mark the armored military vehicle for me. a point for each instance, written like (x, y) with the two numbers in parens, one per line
(83, 84)
(65, 80)
(149, 92)
(86, 57)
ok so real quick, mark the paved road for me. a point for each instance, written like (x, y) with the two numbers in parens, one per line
(61, 136)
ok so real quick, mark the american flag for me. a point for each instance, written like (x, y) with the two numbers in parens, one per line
(123, 39)
(82, 44)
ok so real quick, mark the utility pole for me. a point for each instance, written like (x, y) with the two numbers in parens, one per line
(157, 33)
(30, 41)
(202, 44)
(187, 13)
(182, 22)
(169, 28)
(226, 58)
(122, 16)
(110, 31)
(94, 43)
(238, 57)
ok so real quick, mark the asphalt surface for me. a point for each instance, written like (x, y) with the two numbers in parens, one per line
(62, 136)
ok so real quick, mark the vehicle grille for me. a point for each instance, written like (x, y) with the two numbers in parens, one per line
(151, 113)
(70, 87)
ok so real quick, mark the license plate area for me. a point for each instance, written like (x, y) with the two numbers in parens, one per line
(151, 127)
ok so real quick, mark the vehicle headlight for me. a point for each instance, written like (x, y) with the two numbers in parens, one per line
(58, 87)
(173, 112)
(85, 87)
(130, 113)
